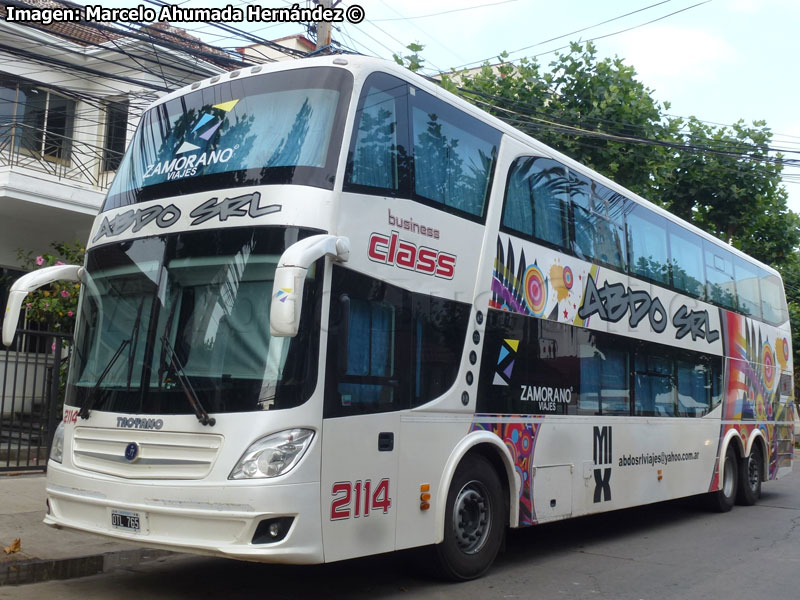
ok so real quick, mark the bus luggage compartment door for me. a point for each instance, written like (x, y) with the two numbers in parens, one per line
(359, 475)
(552, 492)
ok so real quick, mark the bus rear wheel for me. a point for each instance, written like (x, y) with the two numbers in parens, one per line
(724, 499)
(474, 521)
(750, 475)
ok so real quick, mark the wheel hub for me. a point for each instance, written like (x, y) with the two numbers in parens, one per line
(471, 517)
(753, 474)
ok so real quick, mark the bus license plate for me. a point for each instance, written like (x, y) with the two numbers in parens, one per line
(128, 520)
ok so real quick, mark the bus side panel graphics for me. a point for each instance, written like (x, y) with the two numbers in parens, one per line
(529, 289)
(758, 387)
(520, 439)
(565, 289)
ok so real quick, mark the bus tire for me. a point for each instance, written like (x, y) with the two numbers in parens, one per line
(723, 500)
(474, 521)
(751, 472)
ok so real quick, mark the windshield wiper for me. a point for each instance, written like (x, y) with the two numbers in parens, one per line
(188, 390)
(134, 339)
(94, 393)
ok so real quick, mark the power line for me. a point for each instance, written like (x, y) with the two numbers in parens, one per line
(525, 119)
(562, 36)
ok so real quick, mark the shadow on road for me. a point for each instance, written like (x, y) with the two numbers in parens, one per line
(400, 574)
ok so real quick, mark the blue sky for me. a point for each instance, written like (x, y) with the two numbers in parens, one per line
(719, 60)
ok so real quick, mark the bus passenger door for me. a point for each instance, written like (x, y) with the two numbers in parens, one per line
(366, 385)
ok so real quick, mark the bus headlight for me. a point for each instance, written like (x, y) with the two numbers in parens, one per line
(273, 455)
(57, 449)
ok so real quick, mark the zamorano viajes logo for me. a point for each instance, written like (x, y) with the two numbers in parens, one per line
(185, 161)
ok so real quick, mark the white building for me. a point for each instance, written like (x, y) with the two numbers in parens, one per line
(70, 98)
(295, 45)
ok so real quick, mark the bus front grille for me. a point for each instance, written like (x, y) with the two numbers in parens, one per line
(145, 454)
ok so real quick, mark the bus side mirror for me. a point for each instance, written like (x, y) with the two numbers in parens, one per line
(26, 284)
(290, 277)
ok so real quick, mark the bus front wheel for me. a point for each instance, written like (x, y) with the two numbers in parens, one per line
(474, 521)
(724, 499)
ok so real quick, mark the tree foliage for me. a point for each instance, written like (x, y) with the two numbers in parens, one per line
(733, 190)
(721, 179)
(587, 108)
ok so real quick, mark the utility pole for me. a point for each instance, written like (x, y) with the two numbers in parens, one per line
(323, 27)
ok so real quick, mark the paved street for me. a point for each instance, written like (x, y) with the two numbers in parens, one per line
(672, 550)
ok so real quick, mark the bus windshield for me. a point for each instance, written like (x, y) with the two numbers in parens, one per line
(200, 298)
(283, 127)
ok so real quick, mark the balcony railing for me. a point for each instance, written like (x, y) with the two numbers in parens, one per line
(22, 145)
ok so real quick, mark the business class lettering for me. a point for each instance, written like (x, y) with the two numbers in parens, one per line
(246, 205)
(614, 301)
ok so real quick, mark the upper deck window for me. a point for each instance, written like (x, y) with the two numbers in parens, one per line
(408, 143)
(454, 155)
(537, 200)
(548, 203)
(377, 159)
(277, 128)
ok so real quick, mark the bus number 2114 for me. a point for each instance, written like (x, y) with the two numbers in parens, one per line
(359, 499)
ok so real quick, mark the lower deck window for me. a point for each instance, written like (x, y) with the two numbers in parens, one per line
(537, 366)
(389, 348)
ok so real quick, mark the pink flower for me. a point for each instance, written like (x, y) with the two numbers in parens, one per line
(29, 305)
(64, 294)
(40, 260)
(70, 313)
(59, 262)
(53, 347)
(47, 305)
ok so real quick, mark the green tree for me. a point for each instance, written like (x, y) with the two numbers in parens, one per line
(722, 179)
(727, 184)
(584, 107)
(412, 62)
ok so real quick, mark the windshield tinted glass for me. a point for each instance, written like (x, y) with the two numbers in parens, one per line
(281, 127)
(208, 295)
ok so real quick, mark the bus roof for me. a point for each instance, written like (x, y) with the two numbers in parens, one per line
(362, 66)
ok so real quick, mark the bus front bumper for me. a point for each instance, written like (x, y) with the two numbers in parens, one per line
(221, 519)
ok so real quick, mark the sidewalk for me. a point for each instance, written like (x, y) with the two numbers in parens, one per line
(47, 553)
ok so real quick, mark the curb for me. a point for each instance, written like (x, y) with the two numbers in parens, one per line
(39, 570)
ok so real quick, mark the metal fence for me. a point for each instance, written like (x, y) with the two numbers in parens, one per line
(31, 376)
(23, 145)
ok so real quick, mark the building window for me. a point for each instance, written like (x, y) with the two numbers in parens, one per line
(47, 123)
(115, 134)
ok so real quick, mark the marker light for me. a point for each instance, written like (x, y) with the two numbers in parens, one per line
(273, 455)
(424, 496)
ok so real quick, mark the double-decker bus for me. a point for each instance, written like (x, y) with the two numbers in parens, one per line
(330, 310)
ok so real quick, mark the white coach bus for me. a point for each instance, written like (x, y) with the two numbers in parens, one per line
(330, 310)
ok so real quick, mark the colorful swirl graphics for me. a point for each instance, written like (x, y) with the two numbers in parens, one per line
(568, 278)
(535, 290)
(782, 345)
(768, 360)
(520, 440)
